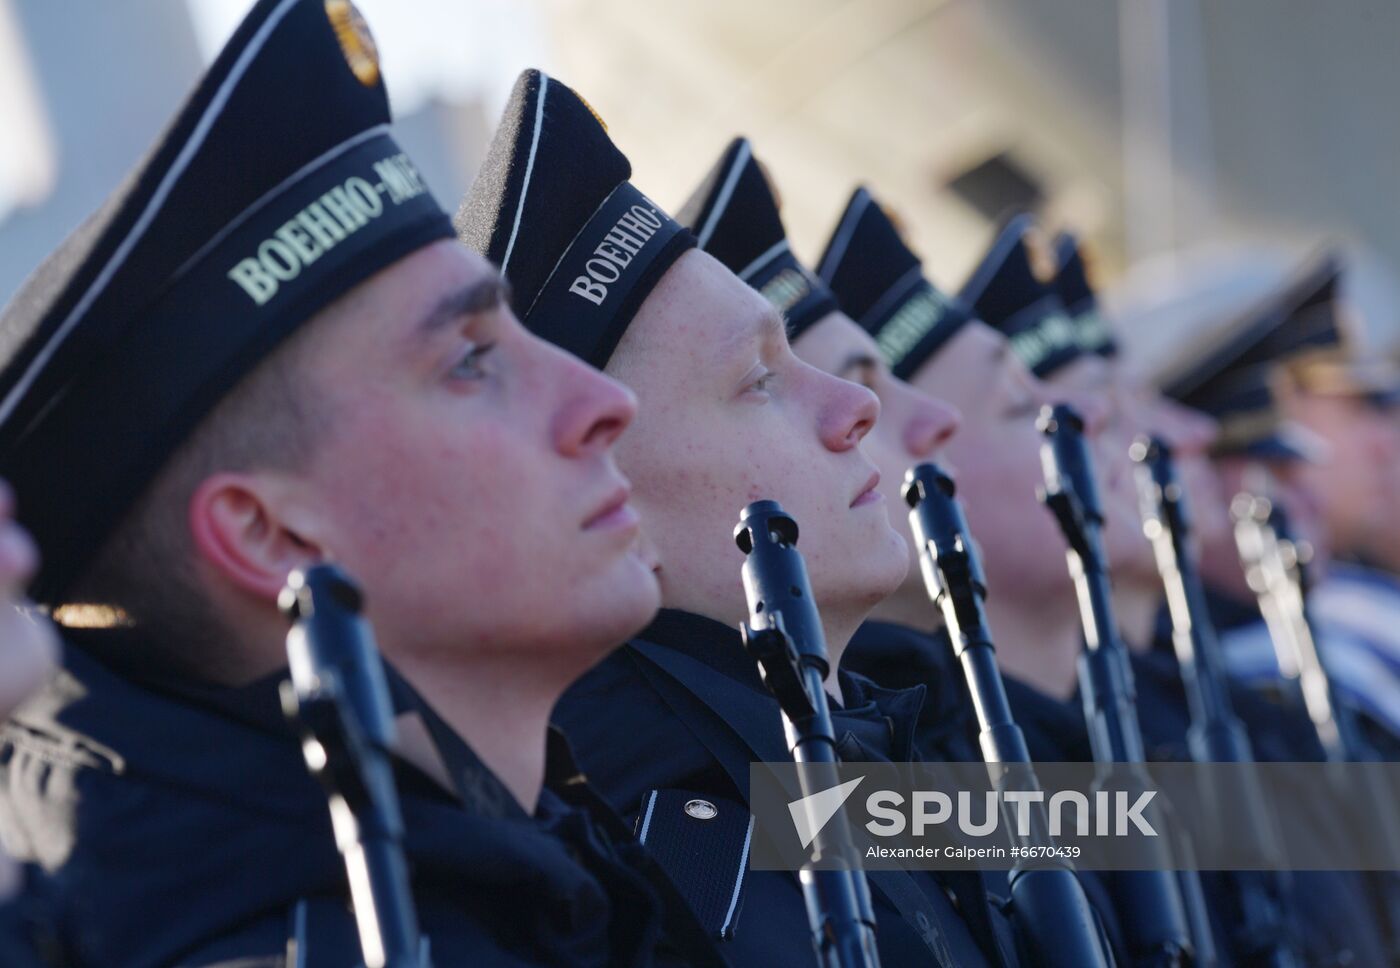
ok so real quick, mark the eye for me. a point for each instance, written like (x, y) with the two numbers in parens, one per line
(1021, 409)
(1017, 404)
(470, 366)
(867, 371)
(758, 380)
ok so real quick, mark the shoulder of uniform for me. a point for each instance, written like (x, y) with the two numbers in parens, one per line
(702, 843)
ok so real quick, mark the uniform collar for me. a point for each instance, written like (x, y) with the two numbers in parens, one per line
(892, 653)
(884, 721)
(257, 706)
(881, 721)
(705, 640)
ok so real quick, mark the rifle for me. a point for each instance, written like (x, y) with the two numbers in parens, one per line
(338, 699)
(1049, 905)
(1275, 567)
(1273, 564)
(1216, 735)
(784, 636)
(1165, 920)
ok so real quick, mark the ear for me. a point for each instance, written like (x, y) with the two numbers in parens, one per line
(239, 533)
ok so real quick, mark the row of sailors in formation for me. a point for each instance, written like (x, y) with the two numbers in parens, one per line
(185, 420)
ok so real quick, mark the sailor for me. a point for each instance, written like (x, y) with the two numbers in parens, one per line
(1238, 340)
(1018, 289)
(866, 249)
(728, 414)
(1349, 395)
(268, 349)
(903, 644)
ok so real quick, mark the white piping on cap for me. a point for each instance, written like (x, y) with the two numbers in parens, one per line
(776, 249)
(841, 241)
(167, 184)
(726, 192)
(529, 170)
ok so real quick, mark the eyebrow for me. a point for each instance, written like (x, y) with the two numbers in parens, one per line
(476, 297)
(859, 360)
(767, 327)
(772, 325)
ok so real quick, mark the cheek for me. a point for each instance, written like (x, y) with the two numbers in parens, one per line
(678, 463)
(885, 448)
(998, 473)
(427, 490)
(689, 482)
(998, 465)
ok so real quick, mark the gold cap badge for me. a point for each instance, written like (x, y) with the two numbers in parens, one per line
(356, 42)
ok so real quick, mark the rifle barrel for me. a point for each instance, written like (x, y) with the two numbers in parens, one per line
(338, 698)
(1048, 902)
(784, 635)
(1166, 917)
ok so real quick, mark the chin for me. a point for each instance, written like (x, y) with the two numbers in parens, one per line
(624, 604)
(870, 580)
(900, 560)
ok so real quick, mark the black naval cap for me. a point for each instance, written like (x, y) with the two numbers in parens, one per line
(1234, 370)
(735, 215)
(552, 206)
(1075, 291)
(880, 283)
(1011, 294)
(275, 189)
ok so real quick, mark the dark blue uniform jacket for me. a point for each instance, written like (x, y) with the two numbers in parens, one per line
(679, 713)
(177, 825)
(897, 655)
(1332, 912)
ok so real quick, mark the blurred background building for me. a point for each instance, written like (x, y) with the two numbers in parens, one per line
(1150, 126)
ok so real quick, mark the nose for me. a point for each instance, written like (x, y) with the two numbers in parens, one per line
(850, 411)
(932, 423)
(592, 411)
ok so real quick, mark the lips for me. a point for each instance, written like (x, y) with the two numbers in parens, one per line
(614, 511)
(868, 493)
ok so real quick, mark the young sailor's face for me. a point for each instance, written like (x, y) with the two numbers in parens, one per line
(466, 476)
(913, 426)
(1354, 480)
(1190, 434)
(995, 459)
(1129, 552)
(730, 415)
